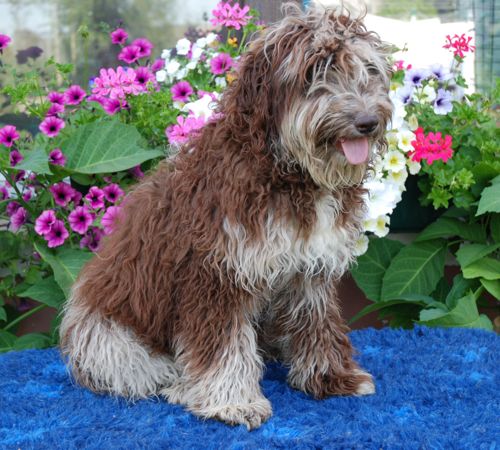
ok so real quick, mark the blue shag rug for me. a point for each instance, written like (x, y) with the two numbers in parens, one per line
(436, 389)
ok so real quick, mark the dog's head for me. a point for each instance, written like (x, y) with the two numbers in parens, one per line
(317, 84)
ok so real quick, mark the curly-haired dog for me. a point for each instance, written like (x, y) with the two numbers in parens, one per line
(232, 249)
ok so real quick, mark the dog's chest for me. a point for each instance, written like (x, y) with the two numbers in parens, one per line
(272, 261)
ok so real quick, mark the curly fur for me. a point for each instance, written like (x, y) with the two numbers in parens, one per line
(230, 251)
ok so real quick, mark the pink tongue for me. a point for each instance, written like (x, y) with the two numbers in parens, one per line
(355, 150)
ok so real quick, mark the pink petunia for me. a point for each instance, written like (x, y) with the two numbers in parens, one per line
(8, 135)
(4, 42)
(44, 222)
(113, 193)
(118, 36)
(57, 157)
(18, 219)
(221, 63)
(74, 95)
(51, 126)
(181, 91)
(56, 97)
(4, 193)
(129, 54)
(112, 105)
(62, 192)
(157, 65)
(92, 239)
(110, 219)
(230, 16)
(185, 127)
(145, 77)
(55, 109)
(137, 172)
(12, 207)
(144, 46)
(15, 158)
(57, 234)
(95, 197)
(80, 219)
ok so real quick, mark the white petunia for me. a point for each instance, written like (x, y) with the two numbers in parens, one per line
(183, 46)
(378, 225)
(165, 54)
(405, 137)
(191, 65)
(398, 178)
(204, 107)
(220, 82)
(172, 67)
(394, 161)
(210, 38)
(161, 76)
(181, 73)
(413, 167)
(196, 53)
(428, 94)
(382, 197)
(361, 245)
(398, 114)
(392, 138)
(413, 122)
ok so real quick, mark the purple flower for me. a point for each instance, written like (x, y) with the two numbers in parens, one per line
(416, 76)
(12, 207)
(137, 172)
(92, 239)
(113, 193)
(8, 134)
(51, 126)
(27, 195)
(112, 105)
(221, 63)
(62, 193)
(181, 91)
(119, 36)
(405, 93)
(110, 218)
(18, 219)
(144, 45)
(57, 234)
(55, 109)
(80, 219)
(44, 222)
(74, 95)
(440, 72)
(57, 157)
(95, 197)
(15, 158)
(442, 104)
(130, 54)
(4, 193)
(4, 42)
(157, 65)
(143, 76)
(56, 97)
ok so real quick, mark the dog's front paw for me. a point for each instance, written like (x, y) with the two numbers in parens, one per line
(252, 415)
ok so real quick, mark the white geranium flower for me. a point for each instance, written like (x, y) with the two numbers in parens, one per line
(183, 46)
(404, 140)
(203, 107)
(413, 166)
(361, 245)
(172, 67)
(161, 76)
(394, 161)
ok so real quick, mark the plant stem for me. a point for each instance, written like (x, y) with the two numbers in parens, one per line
(24, 316)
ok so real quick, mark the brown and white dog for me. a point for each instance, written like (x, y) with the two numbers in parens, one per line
(231, 250)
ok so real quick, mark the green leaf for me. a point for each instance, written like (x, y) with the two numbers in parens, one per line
(445, 227)
(66, 264)
(469, 253)
(46, 291)
(487, 268)
(32, 340)
(3, 314)
(492, 286)
(458, 290)
(416, 269)
(490, 198)
(105, 146)
(464, 314)
(495, 227)
(6, 341)
(371, 266)
(35, 160)
(375, 307)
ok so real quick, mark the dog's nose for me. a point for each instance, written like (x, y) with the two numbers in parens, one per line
(366, 123)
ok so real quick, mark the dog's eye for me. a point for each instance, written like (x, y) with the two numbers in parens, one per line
(372, 70)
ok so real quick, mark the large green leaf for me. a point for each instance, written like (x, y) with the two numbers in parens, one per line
(371, 266)
(495, 227)
(488, 268)
(416, 269)
(32, 340)
(458, 290)
(492, 286)
(490, 198)
(35, 160)
(65, 263)
(105, 146)
(469, 253)
(446, 226)
(464, 314)
(46, 291)
(7, 340)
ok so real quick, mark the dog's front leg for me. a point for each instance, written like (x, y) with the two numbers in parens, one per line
(216, 348)
(316, 345)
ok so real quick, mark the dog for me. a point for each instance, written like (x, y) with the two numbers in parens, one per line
(231, 251)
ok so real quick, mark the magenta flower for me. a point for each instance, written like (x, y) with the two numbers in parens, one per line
(157, 65)
(8, 135)
(27, 195)
(44, 222)
(137, 172)
(57, 157)
(4, 193)
(459, 45)
(186, 126)
(12, 207)
(80, 219)
(144, 45)
(119, 36)
(55, 109)
(56, 97)
(51, 126)
(143, 76)
(181, 91)
(230, 16)
(4, 42)
(221, 63)
(110, 218)
(130, 54)
(116, 85)
(96, 98)
(62, 193)
(95, 197)
(92, 239)
(15, 158)
(74, 95)
(18, 219)
(57, 234)
(113, 193)
(112, 105)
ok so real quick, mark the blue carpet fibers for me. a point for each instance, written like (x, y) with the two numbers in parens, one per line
(436, 389)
